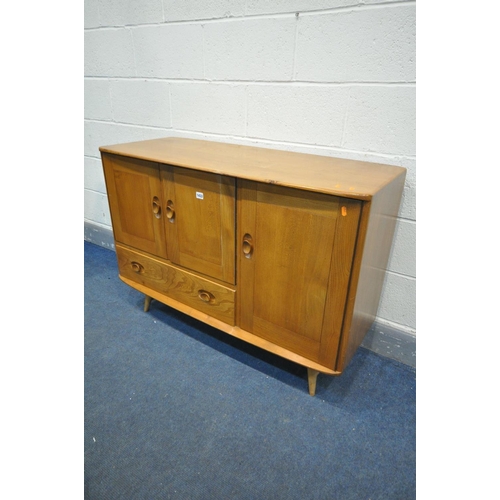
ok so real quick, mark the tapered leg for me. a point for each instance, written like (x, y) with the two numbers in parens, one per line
(312, 376)
(147, 303)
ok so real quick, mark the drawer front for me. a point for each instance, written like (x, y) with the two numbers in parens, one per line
(199, 293)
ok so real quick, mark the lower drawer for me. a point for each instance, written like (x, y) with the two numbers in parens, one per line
(199, 293)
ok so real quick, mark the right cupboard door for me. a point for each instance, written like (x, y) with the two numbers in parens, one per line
(200, 221)
(295, 251)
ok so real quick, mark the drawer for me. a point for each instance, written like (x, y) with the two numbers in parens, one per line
(199, 293)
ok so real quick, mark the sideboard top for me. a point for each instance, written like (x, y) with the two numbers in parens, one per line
(340, 177)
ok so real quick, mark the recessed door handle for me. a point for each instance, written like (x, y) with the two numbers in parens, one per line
(247, 246)
(170, 211)
(156, 207)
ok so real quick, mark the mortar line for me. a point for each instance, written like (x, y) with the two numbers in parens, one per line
(110, 94)
(262, 140)
(295, 44)
(246, 111)
(203, 51)
(262, 16)
(170, 104)
(133, 52)
(294, 83)
(346, 115)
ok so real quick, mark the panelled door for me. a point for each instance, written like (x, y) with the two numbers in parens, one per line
(182, 215)
(134, 194)
(200, 221)
(295, 251)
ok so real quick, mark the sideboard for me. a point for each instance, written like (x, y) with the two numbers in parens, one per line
(287, 251)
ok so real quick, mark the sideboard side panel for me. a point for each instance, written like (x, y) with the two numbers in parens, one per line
(373, 248)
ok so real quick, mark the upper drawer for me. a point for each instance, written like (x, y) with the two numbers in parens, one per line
(201, 294)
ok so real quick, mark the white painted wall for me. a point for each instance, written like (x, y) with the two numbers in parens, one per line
(329, 77)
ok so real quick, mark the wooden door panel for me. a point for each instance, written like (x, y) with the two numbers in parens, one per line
(201, 234)
(134, 194)
(271, 330)
(293, 284)
(292, 278)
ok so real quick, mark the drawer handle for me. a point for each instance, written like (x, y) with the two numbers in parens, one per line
(156, 207)
(206, 296)
(247, 246)
(136, 267)
(170, 211)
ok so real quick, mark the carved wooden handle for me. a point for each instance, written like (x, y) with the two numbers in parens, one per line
(170, 211)
(247, 246)
(136, 267)
(156, 207)
(205, 296)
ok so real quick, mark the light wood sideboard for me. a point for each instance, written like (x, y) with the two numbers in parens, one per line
(286, 251)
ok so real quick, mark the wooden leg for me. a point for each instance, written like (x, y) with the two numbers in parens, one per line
(312, 376)
(147, 303)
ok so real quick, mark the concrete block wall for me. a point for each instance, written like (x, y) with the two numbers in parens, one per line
(329, 77)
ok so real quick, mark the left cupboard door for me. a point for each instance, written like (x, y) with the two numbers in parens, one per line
(134, 194)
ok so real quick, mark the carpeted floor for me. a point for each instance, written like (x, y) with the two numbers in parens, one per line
(175, 409)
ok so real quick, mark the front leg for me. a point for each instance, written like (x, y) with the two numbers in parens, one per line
(312, 376)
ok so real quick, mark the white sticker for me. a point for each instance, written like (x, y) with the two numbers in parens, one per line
(199, 195)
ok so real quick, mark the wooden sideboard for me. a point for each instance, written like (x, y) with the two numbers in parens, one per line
(284, 250)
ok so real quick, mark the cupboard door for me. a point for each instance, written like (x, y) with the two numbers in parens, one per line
(295, 251)
(134, 194)
(200, 221)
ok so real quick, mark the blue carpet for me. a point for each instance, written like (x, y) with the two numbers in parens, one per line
(175, 409)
